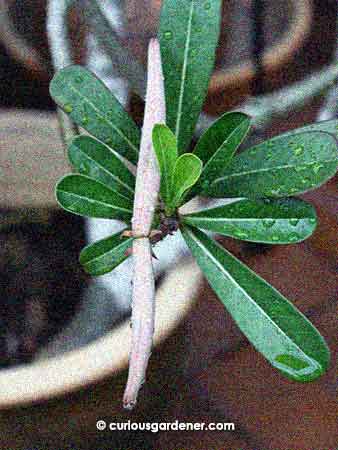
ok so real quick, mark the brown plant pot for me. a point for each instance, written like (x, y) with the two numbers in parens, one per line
(60, 399)
(229, 85)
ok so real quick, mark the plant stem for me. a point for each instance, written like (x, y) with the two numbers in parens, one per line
(146, 195)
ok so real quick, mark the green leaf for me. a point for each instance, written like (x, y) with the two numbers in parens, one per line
(220, 141)
(92, 106)
(92, 158)
(84, 196)
(189, 31)
(217, 146)
(281, 221)
(104, 255)
(279, 167)
(165, 145)
(187, 170)
(270, 322)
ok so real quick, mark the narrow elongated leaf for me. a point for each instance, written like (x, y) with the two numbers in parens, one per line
(92, 106)
(165, 145)
(271, 323)
(189, 31)
(219, 142)
(84, 196)
(187, 170)
(92, 158)
(217, 146)
(104, 255)
(281, 221)
(279, 167)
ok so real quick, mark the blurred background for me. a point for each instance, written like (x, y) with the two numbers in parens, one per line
(265, 46)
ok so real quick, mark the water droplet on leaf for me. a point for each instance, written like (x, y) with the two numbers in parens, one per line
(317, 167)
(291, 361)
(275, 238)
(268, 223)
(168, 35)
(294, 222)
(85, 120)
(207, 5)
(68, 108)
(240, 234)
(298, 150)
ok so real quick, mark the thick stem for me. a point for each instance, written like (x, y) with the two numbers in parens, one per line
(146, 195)
(142, 319)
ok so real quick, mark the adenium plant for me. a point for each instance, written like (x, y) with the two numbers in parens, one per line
(144, 177)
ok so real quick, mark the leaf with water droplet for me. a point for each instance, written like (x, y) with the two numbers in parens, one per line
(317, 167)
(217, 146)
(188, 60)
(298, 150)
(258, 221)
(84, 196)
(254, 175)
(92, 158)
(91, 101)
(268, 223)
(168, 35)
(270, 322)
(240, 234)
(68, 108)
(291, 362)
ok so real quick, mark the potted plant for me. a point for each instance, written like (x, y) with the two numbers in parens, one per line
(259, 183)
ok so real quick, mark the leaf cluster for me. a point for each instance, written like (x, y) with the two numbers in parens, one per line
(258, 185)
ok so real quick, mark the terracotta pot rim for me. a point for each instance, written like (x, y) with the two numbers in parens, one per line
(105, 357)
(275, 57)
